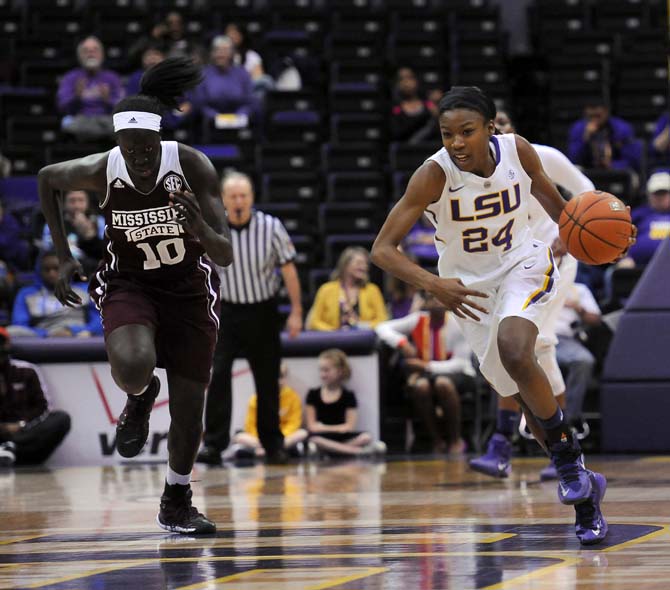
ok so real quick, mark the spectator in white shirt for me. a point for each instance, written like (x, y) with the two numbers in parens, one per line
(437, 362)
(580, 309)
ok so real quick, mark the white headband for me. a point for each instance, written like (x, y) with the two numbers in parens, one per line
(137, 120)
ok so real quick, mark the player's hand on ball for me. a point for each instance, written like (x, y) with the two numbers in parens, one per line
(631, 240)
(63, 289)
(455, 296)
(189, 213)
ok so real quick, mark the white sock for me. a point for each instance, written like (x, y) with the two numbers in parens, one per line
(173, 477)
(145, 387)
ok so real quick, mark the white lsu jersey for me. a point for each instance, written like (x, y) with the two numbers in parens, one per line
(481, 224)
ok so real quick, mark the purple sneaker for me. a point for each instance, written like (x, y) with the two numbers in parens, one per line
(549, 473)
(574, 483)
(496, 461)
(590, 524)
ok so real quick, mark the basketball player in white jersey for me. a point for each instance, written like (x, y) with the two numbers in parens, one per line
(476, 190)
(497, 459)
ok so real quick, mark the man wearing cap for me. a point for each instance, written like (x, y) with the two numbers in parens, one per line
(29, 432)
(652, 221)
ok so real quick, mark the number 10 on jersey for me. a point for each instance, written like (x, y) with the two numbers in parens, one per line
(168, 252)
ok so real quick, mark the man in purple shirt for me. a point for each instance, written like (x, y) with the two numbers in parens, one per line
(87, 95)
(599, 140)
(652, 220)
(226, 87)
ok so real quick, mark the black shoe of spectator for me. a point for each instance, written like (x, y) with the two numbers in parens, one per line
(209, 456)
(132, 429)
(178, 515)
(277, 457)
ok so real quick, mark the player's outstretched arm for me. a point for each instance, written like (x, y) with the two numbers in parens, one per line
(203, 214)
(542, 188)
(425, 187)
(87, 173)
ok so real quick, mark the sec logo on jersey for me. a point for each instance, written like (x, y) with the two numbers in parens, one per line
(172, 183)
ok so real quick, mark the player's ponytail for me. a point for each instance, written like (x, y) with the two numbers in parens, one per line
(170, 79)
(162, 85)
(468, 97)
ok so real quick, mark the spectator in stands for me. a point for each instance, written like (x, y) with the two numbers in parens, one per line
(169, 35)
(249, 59)
(413, 119)
(349, 300)
(14, 250)
(87, 95)
(37, 312)
(600, 140)
(660, 142)
(29, 432)
(85, 230)
(247, 443)
(420, 242)
(437, 363)
(652, 221)
(153, 54)
(331, 411)
(404, 298)
(226, 88)
(580, 310)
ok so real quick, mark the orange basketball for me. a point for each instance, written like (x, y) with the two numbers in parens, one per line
(595, 227)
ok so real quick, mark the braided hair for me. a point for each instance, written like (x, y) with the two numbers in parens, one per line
(162, 85)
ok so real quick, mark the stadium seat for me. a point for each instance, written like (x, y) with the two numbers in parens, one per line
(336, 243)
(298, 218)
(290, 187)
(346, 128)
(32, 130)
(407, 158)
(294, 126)
(356, 97)
(350, 218)
(285, 157)
(351, 157)
(356, 186)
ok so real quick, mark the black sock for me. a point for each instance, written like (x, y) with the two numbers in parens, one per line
(555, 428)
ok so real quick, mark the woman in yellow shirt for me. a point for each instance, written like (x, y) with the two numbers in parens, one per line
(349, 300)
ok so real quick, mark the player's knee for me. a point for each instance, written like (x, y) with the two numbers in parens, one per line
(515, 357)
(133, 369)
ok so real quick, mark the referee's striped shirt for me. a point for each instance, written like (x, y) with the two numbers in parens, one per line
(260, 247)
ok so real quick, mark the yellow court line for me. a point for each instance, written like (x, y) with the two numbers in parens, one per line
(662, 459)
(371, 571)
(201, 585)
(88, 574)
(21, 539)
(643, 539)
(309, 556)
(534, 574)
(447, 538)
(113, 565)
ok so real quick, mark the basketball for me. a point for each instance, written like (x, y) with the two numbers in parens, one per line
(595, 226)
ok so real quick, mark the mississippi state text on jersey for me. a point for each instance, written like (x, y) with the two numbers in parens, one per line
(143, 235)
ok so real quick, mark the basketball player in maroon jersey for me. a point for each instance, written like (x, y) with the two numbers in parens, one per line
(156, 289)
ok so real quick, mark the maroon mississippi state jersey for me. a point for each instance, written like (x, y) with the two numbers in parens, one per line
(143, 235)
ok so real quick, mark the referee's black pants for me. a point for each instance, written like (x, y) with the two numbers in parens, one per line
(250, 331)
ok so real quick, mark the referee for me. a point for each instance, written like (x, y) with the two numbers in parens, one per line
(250, 320)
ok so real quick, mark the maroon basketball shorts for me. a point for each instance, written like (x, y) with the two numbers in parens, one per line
(183, 311)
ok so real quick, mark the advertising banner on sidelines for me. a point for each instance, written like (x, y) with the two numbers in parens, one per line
(88, 393)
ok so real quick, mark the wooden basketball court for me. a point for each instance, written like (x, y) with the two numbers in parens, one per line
(408, 525)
